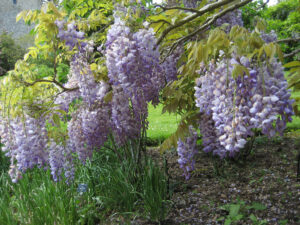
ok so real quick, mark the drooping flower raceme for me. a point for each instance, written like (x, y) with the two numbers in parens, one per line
(124, 124)
(170, 64)
(61, 160)
(269, 37)
(232, 18)
(89, 126)
(71, 36)
(132, 61)
(186, 151)
(209, 136)
(233, 106)
(25, 143)
(271, 102)
(134, 71)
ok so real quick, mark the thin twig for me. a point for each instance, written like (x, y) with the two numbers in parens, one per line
(104, 27)
(177, 7)
(293, 84)
(263, 5)
(292, 53)
(49, 81)
(161, 20)
(289, 40)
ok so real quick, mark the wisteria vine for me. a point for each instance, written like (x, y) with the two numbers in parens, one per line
(117, 109)
(135, 79)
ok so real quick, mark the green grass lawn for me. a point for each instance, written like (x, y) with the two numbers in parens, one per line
(161, 125)
(295, 124)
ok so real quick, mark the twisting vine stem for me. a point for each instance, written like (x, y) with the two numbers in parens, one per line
(198, 13)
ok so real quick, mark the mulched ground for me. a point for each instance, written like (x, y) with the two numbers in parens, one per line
(266, 180)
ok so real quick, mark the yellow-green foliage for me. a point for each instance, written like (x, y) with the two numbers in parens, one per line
(23, 88)
(294, 82)
(17, 97)
(94, 16)
(46, 41)
(20, 90)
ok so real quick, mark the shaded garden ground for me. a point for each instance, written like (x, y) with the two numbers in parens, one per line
(259, 190)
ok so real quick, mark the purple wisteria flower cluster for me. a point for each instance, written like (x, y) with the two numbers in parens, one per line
(71, 36)
(231, 19)
(89, 127)
(61, 160)
(135, 74)
(269, 37)
(232, 107)
(135, 80)
(170, 64)
(132, 61)
(124, 124)
(25, 141)
(186, 151)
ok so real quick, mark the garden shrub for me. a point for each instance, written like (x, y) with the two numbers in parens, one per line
(10, 52)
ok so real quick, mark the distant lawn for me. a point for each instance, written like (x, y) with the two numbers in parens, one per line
(161, 126)
(295, 124)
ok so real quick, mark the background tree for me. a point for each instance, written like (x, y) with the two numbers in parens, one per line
(10, 52)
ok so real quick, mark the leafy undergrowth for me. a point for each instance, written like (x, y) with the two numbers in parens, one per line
(103, 189)
(260, 190)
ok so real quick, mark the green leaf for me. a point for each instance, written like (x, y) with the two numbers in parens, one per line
(227, 221)
(292, 64)
(279, 53)
(172, 140)
(260, 24)
(64, 113)
(94, 66)
(20, 15)
(239, 70)
(90, 3)
(283, 222)
(270, 50)
(258, 206)
(238, 217)
(234, 210)
(253, 218)
(108, 97)
(56, 120)
(221, 218)
(224, 207)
